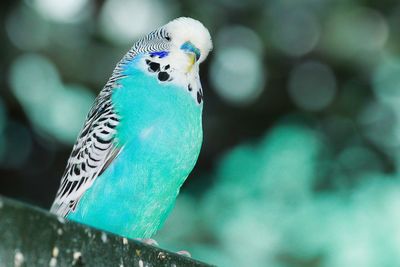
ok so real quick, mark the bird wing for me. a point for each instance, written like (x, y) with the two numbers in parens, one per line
(96, 146)
(92, 153)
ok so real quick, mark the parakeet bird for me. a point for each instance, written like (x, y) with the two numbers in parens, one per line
(142, 137)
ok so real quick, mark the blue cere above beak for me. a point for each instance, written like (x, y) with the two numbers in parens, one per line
(189, 47)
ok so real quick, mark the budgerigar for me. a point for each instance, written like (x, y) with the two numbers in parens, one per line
(142, 137)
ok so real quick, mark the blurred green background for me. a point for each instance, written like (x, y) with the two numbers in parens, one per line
(301, 155)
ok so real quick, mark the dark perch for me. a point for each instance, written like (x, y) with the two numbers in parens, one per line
(30, 236)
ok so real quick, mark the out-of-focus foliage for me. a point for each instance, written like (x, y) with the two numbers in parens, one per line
(267, 206)
(300, 162)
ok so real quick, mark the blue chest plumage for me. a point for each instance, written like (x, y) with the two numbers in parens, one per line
(160, 136)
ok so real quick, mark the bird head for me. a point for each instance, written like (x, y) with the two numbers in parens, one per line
(171, 54)
(189, 40)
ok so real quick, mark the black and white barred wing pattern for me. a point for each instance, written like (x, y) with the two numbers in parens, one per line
(91, 154)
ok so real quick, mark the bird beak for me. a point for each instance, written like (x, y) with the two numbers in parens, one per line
(192, 61)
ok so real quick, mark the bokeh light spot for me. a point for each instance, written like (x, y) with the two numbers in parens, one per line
(33, 78)
(312, 86)
(356, 33)
(54, 108)
(237, 71)
(63, 11)
(69, 110)
(238, 75)
(238, 35)
(295, 33)
(124, 21)
(26, 30)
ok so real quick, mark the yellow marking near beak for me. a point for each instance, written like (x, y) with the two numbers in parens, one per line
(192, 60)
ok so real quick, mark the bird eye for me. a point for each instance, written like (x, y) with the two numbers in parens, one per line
(168, 38)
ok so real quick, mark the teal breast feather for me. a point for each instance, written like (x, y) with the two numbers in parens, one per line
(161, 132)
